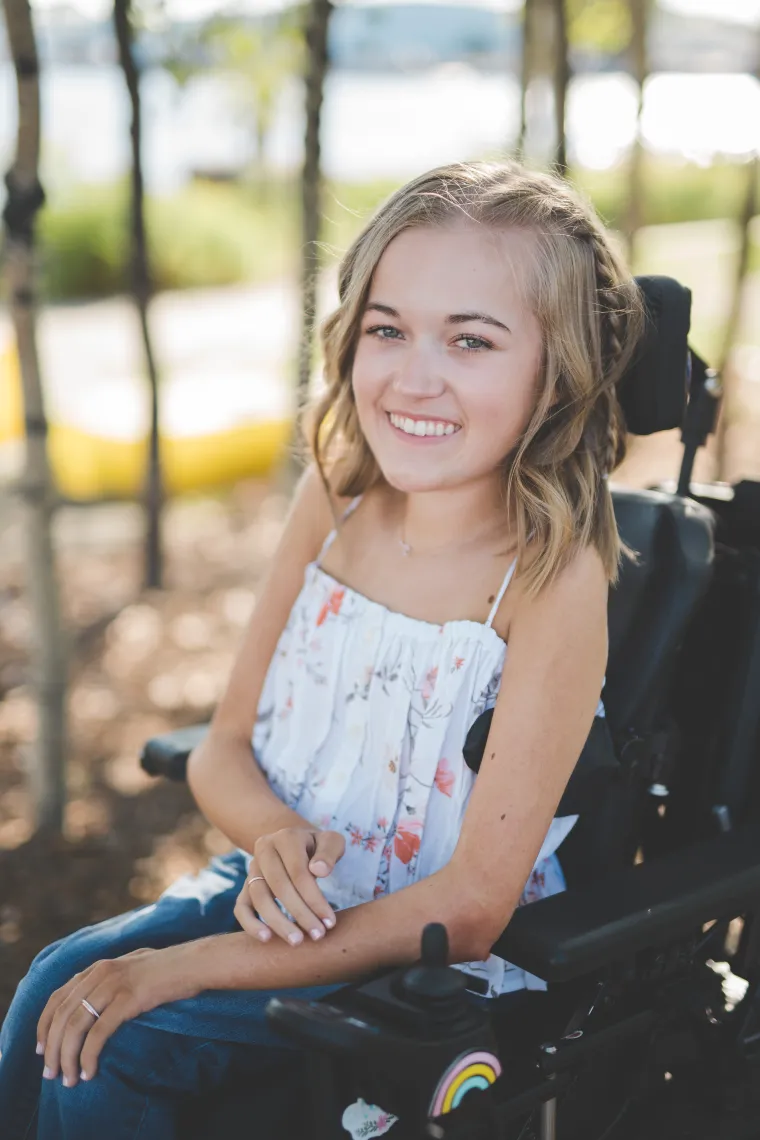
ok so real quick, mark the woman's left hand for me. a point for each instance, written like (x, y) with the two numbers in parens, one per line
(119, 989)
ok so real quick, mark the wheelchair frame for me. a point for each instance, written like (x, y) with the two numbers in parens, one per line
(630, 957)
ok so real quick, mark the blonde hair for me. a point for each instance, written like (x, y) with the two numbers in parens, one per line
(590, 314)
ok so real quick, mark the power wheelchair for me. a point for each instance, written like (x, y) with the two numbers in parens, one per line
(650, 1024)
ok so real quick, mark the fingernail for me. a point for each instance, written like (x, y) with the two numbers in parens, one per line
(265, 935)
(329, 923)
(83, 1076)
(66, 1082)
(47, 1073)
(320, 867)
(295, 938)
(316, 933)
(40, 1049)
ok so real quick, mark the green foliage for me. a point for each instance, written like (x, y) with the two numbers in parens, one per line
(602, 26)
(217, 234)
(203, 236)
(84, 244)
(675, 191)
(260, 54)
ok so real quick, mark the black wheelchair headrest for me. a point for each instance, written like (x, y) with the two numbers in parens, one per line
(653, 391)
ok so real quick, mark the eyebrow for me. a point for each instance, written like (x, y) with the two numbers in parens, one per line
(452, 319)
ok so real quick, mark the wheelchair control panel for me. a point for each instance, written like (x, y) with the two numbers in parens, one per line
(419, 1020)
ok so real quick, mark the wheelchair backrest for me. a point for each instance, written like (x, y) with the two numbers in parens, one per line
(649, 609)
(672, 537)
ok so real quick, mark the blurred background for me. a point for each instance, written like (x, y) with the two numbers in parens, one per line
(205, 164)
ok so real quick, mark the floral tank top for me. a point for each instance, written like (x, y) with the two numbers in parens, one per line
(360, 728)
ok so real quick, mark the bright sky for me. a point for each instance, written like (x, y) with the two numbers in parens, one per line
(747, 11)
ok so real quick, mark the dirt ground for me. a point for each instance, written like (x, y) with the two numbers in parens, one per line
(141, 663)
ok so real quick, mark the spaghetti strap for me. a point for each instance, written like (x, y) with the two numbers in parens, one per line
(334, 532)
(502, 591)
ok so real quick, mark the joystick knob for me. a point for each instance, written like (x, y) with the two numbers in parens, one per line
(431, 983)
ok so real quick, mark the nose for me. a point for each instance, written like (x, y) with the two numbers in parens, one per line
(418, 374)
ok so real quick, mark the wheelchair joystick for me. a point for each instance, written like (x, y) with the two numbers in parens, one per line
(431, 982)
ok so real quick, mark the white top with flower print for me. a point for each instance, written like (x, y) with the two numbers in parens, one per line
(360, 729)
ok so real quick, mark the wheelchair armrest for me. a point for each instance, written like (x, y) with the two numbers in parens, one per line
(578, 931)
(167, 755)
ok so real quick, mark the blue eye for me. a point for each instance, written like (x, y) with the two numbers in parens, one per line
(475, 343)
(375, 329)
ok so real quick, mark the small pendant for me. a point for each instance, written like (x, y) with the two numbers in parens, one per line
(405, 547)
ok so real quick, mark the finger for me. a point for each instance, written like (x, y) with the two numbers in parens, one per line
(269, 912)
(246, 916)
(329, 849)
(281, 886)
(122, 1007)
(78, 1026)
(306, 886)
(69, 1006)
(53, 1002)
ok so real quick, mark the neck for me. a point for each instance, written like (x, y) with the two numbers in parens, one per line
(432, 519)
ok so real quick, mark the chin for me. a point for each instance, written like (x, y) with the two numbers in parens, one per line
(409, 481)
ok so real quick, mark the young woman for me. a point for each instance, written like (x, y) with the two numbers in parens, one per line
(456, 505)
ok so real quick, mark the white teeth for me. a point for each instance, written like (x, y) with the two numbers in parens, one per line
(422, 427)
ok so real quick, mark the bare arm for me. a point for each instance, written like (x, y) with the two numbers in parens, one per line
(228, 784)
(549, 693)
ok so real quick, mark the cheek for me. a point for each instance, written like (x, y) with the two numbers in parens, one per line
(367, 379)
(500, 412)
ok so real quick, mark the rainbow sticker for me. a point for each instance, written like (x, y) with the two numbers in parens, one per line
(470, 1071)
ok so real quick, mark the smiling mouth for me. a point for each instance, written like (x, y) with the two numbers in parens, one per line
(433, 429)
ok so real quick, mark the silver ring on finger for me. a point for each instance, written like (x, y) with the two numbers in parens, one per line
(90, 1008)
(255, 879)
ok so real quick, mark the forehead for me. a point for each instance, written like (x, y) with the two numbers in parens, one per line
(462, 264)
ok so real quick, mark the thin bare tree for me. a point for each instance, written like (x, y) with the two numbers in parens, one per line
(639, 13)
(142, 291)
(526, 72)
(25, 198)
(560, 83)
(545, 57)
(316, 32)
(750, 207)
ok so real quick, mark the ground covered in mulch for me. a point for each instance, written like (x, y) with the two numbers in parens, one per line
(142, 663)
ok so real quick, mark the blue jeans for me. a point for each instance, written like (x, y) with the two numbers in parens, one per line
(155, 1063)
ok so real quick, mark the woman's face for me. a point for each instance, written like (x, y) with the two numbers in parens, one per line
(446, 364)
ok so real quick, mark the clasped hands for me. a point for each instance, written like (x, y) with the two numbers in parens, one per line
(285, 867)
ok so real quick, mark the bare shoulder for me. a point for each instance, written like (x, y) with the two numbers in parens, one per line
(577, 593)
(315, 507)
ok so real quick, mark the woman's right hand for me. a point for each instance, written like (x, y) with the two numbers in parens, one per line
(285, 867)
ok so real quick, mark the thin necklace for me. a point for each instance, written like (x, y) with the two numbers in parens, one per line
(407, 548)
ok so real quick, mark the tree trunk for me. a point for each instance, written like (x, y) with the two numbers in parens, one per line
(526, 71)
(318, 20)
(560, 82)
(142, 291)
(750, 207)
(25, 197)
(639, 10)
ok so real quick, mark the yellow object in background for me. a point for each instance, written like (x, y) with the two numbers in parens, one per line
(87, 466)
(11, 405)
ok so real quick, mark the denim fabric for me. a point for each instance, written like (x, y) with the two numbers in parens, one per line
(153, 1064)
